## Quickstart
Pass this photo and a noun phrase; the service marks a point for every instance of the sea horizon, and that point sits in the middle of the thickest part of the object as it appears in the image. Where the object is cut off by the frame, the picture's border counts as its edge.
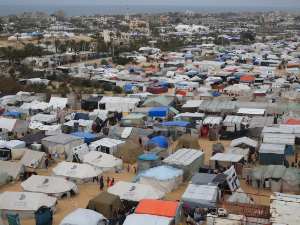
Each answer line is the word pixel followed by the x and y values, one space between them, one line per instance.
pixel 78 10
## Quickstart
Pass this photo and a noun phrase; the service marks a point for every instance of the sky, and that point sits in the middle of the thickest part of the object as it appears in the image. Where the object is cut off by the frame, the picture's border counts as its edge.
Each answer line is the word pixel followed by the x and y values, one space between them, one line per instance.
pixel 256 3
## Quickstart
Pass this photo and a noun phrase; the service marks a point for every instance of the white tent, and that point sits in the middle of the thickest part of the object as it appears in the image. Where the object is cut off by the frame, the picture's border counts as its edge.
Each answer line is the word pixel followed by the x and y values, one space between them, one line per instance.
pixel 165 178
pixel 16 144
pixel 119 104
pixel 78 173
pixel 25 108
pixel 203 196
pixel 55 186
pixel 240 197
pixel 14 169
pixel 25 204
pixel 104 162
pixel 232 178
pixel 146 219
pixel 135 192
pixel 84 216
pixel 61 144
pixel 78 152
pixel 107 145
pixel 33 159
pixel 58 103
pixel 7 123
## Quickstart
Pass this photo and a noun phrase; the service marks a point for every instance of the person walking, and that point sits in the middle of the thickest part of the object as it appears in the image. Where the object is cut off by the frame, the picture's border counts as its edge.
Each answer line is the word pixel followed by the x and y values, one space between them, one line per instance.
pixel 101 185
pixel 134 170
pixel 113 181
pixel 128 168
pixel 140 141
pixel 296 158
pixel 108 180
pixel 248 180
pixel 46 163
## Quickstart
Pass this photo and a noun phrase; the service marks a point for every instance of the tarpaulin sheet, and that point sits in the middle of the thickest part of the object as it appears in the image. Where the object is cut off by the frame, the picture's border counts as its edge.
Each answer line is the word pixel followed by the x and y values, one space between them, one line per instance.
pixel 147 156
pixel 10 114
pixel 87 136
pixel 175 123
pixel 165 84
pixel 159 111
pixel 204 132
pixel 127 86
pixel 159 141
pixel 82 116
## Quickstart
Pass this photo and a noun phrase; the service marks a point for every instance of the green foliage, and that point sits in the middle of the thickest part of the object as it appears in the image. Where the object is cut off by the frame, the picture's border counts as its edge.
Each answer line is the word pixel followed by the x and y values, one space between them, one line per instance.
pixel 120 60
pixel 104 62
pixel 77 82
pixel 86 83
pixel 53 76
pixel 12 73
pixel 117 90
pixel 96 84
pixel 63 89
pixel 107 87
pixel 25 72
pixel 128 92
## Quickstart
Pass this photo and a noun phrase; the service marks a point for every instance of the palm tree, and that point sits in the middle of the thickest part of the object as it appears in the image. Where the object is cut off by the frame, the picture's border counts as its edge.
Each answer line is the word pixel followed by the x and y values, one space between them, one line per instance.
pixel 111 34
pixel 47 43
pixel 57 43
pixel 118 35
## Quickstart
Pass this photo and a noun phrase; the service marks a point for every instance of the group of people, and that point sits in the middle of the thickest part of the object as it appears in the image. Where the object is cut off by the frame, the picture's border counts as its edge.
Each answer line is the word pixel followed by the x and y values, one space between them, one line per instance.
pixel 108 181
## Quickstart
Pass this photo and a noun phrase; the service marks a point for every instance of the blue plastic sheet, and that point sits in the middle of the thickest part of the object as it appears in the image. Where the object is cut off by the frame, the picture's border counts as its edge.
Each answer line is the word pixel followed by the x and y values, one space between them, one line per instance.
pixel 159 141
pixel 159 111
pixel 147 156
pixel 127 86
pixel 87 136
pixel 175 123
pixel 82 116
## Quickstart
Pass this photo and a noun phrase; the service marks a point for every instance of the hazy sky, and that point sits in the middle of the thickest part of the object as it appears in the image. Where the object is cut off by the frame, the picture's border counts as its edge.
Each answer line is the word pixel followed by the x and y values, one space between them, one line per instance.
pixel 256 3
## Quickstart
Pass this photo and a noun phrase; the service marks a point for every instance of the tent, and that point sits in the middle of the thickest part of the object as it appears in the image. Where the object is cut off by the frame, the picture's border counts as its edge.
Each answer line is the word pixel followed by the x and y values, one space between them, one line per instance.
pixel 58 103
pixel 145 219
pixel 78 173
pixel 34 159
pixel 147 161
pixel 61 144
pixel 129 152
pixel 87 136
pixel 135 192
pixel 4 178
pixel 84 216
pixel 119 104
pixel 239 197
pixel 271 154
pixel 258 123
pixel 232 178
pixel 106 145
pixel 203 196
pixel 25 203
pixel 292 122
pixel 188 160
pixel 188 141
pixel 78 152
pixel 104 162
pixel 7 123
pixel 30 139
pixel 14 169
pixel 161 208
pixel 52 186
pixel 159 141
pixel 165 178
pixel 102 204
pixel 221 160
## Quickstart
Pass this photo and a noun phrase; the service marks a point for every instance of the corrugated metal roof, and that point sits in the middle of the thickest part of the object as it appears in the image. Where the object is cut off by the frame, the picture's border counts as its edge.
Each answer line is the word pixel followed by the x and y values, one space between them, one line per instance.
pixel 261 122
pixel 184 156
pixel 244 140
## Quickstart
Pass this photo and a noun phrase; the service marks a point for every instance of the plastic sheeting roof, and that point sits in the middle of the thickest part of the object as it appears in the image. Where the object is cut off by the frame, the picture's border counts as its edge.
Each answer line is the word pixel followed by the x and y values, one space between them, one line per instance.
pixel 271 148
pixel 244 140
pixel 175 123
pixel 7 123
pixel 159 111
pixel 58 102
pixel 184 156
pixel 192 103
pixel 251 111
pixel 147 156
pixel 87 136
pixel 162 173
pixel 146 219
pixel 261 122
pixel 84 216
pixel 62 138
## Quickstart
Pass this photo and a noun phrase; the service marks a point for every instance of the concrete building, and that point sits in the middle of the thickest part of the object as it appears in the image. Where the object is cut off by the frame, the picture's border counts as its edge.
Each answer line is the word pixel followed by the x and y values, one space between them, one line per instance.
pixel 127 17
pixel 189 13
pixel 269 30
pixel 124 38
pixel 61 15
pixel 38 16
pixel 140 25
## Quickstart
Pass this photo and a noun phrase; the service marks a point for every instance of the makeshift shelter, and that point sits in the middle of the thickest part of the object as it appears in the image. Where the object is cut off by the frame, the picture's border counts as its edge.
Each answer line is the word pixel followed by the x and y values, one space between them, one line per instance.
pixel 161 208
pixel 234 123
pixel 188 141
pixel 135 192
pixel 239 151
pixel 239 197
pixel 84 216
pixel 162 152
pixel 34 159
pixel 30 139
pixel 188 160
pixel 191 106
pixel 203 196
pixel 218 180
pixel 145 219
pixel 4 178
pixel 78 173
pixel 106 145
pixel 25 204
pixel 61 144
pixel 250 112
pixel 244 142
pixel 135 118
pixel 91 103
pixel 78 153
pixel 14 169
pixel 232 179
pixel 270 154
pixel 129 152
pixel 158 102
pixel 220 160
pixel 118 104
pixel 102 204
pixel 52 186
pixel 147 161
pixel 165 178
pixel 290 115
pixel 58 103
pixel 189 117
pixel 159 141
pixel 103 162
pixel 80 125
pixel 258 123
pixel 87 136
pixel 167 112
pixel 7 123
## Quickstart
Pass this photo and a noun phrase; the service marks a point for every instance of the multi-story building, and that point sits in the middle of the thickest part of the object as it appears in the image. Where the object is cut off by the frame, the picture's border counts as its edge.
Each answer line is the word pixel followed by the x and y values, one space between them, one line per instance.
pixel 38 16
pixel 269 30
pixel 111 35
pixel 141 25
pixel 60 15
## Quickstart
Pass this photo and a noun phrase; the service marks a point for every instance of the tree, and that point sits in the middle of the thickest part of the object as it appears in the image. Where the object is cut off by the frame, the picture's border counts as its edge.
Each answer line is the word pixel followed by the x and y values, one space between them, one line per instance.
pixel 111 34
pixel 48 43
pixel 107 87
pixel 39 38
pixel 247 36
pixel 117 90
pixel 57 43
pixel 12 73
pixel 104 62
pixel 177 20
pixel 118 35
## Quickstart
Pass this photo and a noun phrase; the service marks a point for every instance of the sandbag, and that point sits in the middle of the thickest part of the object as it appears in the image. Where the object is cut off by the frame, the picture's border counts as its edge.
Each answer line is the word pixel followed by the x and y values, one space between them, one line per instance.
pixel 17 153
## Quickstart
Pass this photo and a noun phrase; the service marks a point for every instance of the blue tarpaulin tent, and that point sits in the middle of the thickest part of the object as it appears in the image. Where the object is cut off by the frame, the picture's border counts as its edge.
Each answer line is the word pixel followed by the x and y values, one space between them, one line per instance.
pixel 162 173
pixel 127 86
pixel 216 95
pixel 159 141
pixel 82 116
pixel 148 156
pixel 164 84
pixel 10 114
pixel 159 111
pixel 87 136
pixel 175 123
pixel 238 76
pixel 192 73
pixel 133 68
